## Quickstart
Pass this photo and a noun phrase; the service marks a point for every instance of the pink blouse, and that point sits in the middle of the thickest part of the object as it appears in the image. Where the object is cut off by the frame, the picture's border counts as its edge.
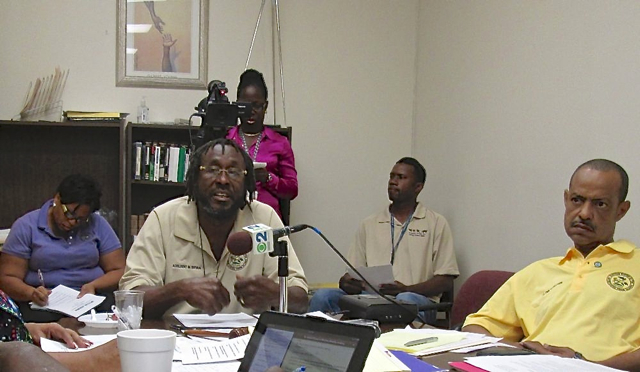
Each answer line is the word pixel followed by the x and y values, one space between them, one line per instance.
pixel 275 150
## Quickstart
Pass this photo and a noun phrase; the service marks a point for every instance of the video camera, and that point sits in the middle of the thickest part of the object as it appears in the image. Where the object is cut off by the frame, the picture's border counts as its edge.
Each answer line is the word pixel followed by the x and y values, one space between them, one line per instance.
pixel 218 114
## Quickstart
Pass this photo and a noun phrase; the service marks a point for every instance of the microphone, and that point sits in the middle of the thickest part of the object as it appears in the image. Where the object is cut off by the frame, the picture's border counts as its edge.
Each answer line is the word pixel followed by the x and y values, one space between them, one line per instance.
pixel 258 238
pixel 239 243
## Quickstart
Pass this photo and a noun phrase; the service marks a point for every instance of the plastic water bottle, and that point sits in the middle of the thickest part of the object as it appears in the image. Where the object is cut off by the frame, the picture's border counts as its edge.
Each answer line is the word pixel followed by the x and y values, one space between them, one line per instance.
pixel 300 369
pixel 143 111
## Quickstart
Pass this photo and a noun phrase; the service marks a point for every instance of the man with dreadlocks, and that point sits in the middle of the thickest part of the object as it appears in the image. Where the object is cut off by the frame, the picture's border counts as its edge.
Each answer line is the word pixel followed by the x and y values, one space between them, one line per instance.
pixel 179 258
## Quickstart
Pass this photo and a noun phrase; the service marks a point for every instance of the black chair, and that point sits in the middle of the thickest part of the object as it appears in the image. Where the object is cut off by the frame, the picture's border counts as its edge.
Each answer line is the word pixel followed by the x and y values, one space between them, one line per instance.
pixel 444 306
pixel 285 204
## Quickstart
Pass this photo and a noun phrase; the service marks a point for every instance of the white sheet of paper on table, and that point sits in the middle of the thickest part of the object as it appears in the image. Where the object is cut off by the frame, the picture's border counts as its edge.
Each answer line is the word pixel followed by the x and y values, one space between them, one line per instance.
pixel 216 321
pixel 538 363
pixel 51 346
pixel 214 351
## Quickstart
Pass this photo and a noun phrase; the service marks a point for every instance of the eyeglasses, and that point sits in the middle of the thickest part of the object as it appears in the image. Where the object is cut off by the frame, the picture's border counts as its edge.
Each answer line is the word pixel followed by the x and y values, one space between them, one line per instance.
pixel 71 215
pixel 255 106
pixel 215 171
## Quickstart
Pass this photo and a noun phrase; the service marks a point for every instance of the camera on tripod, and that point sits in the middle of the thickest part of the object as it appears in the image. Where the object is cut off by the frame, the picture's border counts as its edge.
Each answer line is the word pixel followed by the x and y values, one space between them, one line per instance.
pixel 218 114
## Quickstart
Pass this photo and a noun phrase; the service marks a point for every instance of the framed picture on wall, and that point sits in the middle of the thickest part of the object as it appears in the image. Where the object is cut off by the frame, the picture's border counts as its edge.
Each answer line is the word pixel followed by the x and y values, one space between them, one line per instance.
pixel 162 44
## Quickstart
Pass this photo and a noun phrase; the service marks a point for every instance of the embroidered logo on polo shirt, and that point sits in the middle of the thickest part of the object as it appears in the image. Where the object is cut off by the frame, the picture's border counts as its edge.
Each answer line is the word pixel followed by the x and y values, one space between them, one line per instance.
pixel 237 263
pixel 620 281
pixel 416 232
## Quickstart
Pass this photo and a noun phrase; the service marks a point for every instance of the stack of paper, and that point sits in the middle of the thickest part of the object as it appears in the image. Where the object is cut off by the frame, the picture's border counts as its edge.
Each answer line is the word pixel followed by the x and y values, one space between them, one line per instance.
pixel 444 340
pixel 94 115
pixel 223 321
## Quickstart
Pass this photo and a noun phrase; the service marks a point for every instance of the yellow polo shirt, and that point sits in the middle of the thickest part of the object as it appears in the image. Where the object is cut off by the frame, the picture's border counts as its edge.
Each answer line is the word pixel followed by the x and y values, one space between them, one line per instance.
pixel 591 305
pixel 169 248
pixel 425 250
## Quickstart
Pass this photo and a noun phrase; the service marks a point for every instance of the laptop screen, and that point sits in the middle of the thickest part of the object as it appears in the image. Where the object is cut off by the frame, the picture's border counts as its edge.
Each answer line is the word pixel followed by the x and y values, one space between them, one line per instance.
pixel 293 341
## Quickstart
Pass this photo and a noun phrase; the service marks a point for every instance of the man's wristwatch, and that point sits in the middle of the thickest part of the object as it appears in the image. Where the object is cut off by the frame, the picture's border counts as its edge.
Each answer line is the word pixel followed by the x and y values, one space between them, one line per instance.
pixel 577 355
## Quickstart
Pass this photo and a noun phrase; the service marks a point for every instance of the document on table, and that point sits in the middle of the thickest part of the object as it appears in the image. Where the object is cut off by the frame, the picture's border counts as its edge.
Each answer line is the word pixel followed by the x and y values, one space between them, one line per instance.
pixel 380 359
pixel 398 339
pixel 376 275
pixel 538 363
pixel 209 367
pixel 65 300
pixel 465 339
pixel 213 351
pixel 216 321
pixel 51 346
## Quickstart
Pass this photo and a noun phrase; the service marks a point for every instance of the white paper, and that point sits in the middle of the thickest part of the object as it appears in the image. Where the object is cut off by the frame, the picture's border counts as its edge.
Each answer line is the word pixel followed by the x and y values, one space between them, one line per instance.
pixel 469 349
pixel 216 321
pixel 51 346
pixel 535 363
pixel 380 359
pixel 213 351
pixel 376 275
pixel 209 367
pixel 65 300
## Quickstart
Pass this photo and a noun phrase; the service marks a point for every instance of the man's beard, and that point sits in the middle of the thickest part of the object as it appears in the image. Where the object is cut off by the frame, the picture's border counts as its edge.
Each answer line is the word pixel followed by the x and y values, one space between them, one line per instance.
pixel 222 213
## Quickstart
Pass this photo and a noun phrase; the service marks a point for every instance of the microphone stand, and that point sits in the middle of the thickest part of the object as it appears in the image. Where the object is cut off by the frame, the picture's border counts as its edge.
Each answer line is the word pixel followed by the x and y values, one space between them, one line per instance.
pixel 281 250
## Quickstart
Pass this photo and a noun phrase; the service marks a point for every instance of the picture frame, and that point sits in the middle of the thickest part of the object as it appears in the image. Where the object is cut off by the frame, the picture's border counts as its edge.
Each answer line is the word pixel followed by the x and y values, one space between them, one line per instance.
pixel 162 44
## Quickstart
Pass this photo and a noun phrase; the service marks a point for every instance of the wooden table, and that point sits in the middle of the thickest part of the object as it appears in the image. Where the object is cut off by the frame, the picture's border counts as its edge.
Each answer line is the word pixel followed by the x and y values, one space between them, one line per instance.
pixel 439 360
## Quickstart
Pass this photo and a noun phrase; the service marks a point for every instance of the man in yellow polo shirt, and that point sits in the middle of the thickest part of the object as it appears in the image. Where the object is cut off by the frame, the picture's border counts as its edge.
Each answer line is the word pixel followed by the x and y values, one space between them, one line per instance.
pixel 585 303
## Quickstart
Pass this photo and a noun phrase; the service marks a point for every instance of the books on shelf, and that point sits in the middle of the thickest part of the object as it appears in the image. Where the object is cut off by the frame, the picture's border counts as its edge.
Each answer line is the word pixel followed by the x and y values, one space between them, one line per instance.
pixel 94 115
pixel 137 220
pixel 159 161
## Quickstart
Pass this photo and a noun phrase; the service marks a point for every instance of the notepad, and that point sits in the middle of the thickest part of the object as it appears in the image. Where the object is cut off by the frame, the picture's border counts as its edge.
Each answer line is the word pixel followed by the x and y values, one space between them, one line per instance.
pixel 65 300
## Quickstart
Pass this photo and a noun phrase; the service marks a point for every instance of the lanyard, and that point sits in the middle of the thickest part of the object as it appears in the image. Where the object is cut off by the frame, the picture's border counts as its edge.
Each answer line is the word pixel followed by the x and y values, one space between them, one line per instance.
pixel 394 245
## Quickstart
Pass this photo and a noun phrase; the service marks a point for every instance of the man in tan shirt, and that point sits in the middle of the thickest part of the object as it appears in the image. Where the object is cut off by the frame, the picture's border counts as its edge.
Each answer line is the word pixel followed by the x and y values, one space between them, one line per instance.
pixel 416 241
pixel 180 258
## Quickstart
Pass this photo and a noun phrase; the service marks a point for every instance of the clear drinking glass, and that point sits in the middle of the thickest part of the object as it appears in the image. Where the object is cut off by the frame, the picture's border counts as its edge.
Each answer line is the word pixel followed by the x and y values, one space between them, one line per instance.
pixel 129 308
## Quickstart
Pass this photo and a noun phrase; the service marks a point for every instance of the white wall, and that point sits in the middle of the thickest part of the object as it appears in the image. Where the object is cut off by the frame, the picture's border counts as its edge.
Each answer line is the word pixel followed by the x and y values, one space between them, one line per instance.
pixel 349 74
pixel 81 35
pixel 512 97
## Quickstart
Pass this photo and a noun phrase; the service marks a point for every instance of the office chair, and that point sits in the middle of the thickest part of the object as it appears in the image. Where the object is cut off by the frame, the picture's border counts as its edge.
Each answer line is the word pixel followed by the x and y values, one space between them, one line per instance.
pixel 475 291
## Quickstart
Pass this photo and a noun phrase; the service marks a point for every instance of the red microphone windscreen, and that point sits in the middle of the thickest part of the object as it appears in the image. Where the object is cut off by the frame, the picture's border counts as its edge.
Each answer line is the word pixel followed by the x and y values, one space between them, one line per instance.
pixel 239 243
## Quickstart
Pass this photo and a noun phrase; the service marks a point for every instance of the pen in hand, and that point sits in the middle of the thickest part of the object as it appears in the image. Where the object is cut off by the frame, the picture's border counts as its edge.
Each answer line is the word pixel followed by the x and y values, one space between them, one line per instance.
pixel 41 278
pixel 421 341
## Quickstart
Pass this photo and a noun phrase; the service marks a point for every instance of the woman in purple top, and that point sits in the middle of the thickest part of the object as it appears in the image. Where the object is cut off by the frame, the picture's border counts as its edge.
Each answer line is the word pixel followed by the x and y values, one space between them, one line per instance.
pixel 63 242
pixel 279 179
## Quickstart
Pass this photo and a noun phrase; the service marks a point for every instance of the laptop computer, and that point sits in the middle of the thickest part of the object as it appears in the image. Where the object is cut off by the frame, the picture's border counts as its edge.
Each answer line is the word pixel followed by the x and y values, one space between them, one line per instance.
pixel 293 341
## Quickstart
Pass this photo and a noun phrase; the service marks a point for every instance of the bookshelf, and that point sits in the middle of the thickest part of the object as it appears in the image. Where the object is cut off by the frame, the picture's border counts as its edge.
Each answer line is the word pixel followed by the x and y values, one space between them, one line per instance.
pixel 36 156
pixel 144 195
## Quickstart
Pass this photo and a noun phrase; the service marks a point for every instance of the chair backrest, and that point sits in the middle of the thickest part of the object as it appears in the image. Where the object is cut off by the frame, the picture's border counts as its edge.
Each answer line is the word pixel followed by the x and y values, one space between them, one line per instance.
pixel 475 291
pixel 285 204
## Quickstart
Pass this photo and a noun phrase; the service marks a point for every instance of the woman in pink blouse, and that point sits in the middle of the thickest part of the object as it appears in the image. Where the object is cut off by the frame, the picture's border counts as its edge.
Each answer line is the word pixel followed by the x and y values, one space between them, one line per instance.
pixel 279 179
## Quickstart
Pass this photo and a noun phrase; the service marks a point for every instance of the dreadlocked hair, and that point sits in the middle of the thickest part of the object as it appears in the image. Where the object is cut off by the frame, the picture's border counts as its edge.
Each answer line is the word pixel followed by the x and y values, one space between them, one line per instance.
pixel 196 161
